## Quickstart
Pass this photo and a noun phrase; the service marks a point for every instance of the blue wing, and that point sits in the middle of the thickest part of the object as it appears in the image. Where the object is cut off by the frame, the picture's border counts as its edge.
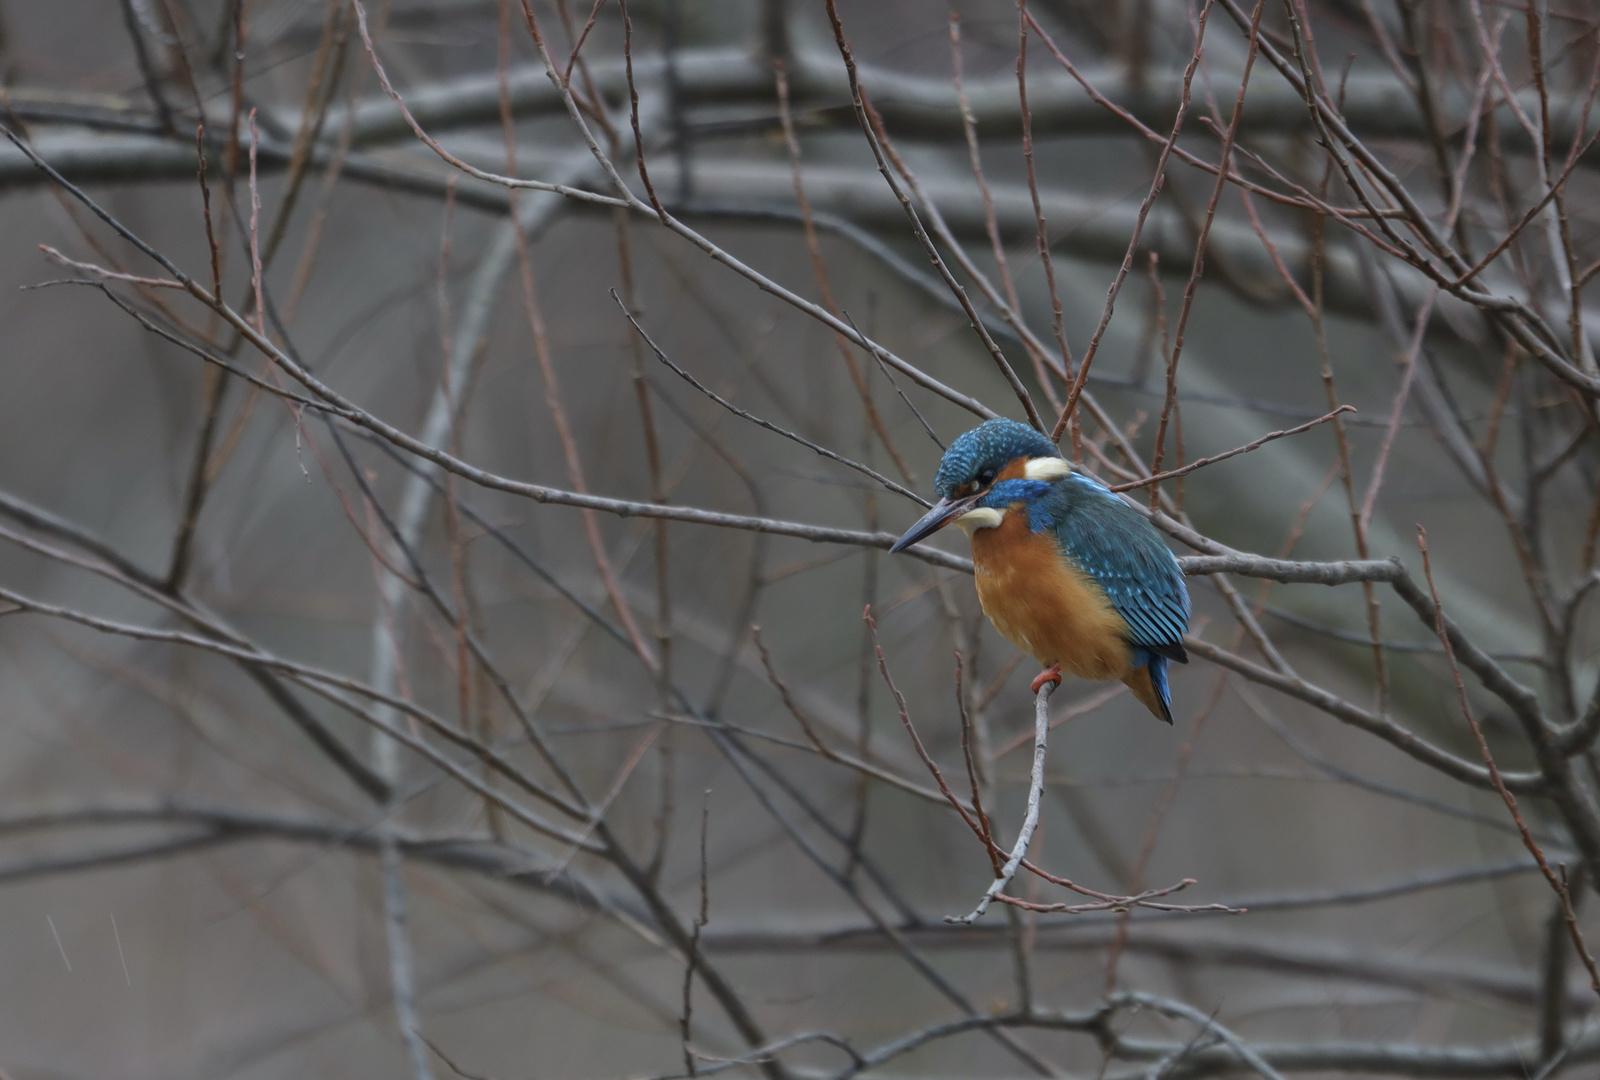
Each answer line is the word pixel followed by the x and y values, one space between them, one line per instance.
pixel 1112 543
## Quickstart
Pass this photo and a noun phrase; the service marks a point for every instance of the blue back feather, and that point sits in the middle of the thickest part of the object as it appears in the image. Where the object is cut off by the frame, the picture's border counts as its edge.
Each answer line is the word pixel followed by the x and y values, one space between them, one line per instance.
pixel 1114 544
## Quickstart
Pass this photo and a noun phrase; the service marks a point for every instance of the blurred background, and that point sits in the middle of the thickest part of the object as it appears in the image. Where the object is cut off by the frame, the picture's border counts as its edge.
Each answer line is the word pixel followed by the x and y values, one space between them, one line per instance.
pixel 421 776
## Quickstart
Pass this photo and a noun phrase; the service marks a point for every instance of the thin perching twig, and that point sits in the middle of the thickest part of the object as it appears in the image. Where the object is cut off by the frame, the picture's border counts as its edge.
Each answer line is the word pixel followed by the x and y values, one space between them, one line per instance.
pixel 1030 821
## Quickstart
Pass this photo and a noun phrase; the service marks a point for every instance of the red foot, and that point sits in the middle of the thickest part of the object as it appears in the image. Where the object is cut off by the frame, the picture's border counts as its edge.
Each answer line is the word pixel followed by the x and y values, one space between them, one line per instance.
pixel 1049 674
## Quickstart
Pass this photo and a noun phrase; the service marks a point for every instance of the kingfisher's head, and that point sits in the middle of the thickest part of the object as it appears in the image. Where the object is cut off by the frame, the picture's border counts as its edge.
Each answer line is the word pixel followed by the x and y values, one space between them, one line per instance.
pixel 996 452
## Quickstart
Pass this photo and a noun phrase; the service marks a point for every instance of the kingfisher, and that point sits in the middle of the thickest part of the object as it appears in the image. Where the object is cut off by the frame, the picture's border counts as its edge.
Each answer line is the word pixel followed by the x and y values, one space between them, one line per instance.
pixel 1066 569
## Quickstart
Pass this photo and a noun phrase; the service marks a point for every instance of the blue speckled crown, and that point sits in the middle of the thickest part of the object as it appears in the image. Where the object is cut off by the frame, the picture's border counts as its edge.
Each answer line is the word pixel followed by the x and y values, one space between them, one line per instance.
pixel 992 443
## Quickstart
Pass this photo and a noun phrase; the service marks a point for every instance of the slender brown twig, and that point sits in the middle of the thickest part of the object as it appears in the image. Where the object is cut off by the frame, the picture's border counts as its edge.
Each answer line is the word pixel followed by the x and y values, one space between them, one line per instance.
pixel 1557 884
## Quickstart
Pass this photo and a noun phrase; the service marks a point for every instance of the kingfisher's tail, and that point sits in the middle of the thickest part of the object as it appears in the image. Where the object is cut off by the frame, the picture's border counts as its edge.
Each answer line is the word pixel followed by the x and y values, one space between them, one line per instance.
pixel 1148 681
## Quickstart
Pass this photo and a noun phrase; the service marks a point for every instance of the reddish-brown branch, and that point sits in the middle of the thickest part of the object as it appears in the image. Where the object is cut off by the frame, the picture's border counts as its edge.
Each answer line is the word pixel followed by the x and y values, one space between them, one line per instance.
pixel 871 127
pixel 1557 884
pixel 1144 211
pixel 1071 712
pixel 1198 268
pixel 972 770
pixel 1201 463
pixel 577 46
pixel 1041 234
pixel 633 110
pixel 820 272
pixel 1012 307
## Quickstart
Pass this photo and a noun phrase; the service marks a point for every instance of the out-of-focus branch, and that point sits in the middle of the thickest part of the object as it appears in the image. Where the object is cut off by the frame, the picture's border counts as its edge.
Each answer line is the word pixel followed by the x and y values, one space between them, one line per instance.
pixel 50 524
pixel 1378 106
pixel 215 823
pixel 1253 951
pixel 1091 228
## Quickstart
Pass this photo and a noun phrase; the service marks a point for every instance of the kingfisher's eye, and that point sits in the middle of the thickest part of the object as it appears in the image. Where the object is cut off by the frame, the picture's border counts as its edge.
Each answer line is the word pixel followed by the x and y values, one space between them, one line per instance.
pixel 986 476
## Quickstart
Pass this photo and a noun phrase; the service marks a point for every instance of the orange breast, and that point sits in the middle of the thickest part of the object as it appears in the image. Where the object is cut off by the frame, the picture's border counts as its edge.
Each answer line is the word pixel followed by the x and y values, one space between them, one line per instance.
pixel 1045 606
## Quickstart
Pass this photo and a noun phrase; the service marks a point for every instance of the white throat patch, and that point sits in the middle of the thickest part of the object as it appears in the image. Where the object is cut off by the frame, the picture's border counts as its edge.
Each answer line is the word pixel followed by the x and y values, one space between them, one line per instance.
pixel 983 517
pixel 1046 468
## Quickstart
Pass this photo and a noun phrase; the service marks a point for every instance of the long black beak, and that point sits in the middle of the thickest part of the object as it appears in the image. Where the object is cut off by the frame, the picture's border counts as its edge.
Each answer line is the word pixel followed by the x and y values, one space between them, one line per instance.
pixel 943 513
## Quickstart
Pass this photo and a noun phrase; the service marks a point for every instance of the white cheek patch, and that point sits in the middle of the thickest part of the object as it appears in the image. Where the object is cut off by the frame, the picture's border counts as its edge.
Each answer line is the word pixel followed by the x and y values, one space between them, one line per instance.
pixel 1046 468
pixel 983 517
